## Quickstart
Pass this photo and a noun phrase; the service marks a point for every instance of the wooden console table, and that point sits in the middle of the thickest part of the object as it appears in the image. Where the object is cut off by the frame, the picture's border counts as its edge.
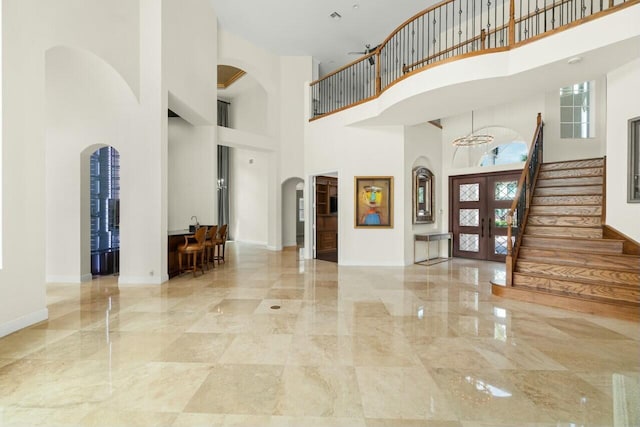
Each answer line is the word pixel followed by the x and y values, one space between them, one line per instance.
pixel 432 237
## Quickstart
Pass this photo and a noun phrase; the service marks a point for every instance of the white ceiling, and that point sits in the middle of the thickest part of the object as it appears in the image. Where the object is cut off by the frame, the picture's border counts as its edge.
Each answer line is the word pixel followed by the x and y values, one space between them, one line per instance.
pixel 303 27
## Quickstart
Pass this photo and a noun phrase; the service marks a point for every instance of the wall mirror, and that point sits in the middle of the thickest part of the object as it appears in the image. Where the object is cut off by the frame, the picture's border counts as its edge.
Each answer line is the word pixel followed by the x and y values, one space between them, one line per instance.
pixel 423 206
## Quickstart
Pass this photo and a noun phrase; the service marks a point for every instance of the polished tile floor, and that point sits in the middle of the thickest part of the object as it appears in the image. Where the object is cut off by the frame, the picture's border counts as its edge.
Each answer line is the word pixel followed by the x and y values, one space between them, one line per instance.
pixel 348 346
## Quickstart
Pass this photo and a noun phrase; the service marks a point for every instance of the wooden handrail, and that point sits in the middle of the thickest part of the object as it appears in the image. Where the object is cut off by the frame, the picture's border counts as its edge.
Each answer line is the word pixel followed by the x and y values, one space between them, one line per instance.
pixel 523 185
pixel 344 67
pixel 482 36
pixel 413 18
pixel 525 169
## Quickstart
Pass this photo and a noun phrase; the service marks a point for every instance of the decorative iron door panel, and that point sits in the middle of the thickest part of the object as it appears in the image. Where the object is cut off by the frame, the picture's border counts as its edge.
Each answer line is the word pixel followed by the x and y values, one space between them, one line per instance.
pixel 468 217
pixel 478 207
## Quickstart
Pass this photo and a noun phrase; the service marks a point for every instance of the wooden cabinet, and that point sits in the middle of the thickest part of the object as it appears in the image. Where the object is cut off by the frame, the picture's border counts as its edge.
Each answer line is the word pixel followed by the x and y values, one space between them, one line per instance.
pixel 176 239
pixel 327 218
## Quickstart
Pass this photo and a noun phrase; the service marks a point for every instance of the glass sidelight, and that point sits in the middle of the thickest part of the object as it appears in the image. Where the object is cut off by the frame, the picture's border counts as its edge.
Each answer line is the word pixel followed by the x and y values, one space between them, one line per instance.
pixel 479 207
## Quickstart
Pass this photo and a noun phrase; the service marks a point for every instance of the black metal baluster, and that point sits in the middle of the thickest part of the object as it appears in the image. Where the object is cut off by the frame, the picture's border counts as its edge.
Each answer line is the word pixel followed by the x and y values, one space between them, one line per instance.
pixel 527 30
pixel 427 41
pixel 421 38
pixel 439 31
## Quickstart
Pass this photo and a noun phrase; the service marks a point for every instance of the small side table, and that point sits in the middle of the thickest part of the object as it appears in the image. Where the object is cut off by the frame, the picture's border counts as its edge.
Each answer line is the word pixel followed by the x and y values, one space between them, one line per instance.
pixel 432 237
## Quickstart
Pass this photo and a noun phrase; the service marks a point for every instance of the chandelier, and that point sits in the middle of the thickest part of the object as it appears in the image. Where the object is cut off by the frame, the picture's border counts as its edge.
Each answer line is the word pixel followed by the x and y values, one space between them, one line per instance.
pixel 473 138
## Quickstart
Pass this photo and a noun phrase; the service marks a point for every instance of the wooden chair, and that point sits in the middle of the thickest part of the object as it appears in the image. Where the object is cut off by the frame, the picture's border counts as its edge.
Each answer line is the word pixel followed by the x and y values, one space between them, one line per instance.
pixel 220 243
pixel 210 245
pixel 193 246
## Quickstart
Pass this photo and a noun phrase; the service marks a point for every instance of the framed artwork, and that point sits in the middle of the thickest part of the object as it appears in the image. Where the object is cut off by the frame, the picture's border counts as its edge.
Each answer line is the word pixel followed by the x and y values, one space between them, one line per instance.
pixel 373 202
pixel 423 207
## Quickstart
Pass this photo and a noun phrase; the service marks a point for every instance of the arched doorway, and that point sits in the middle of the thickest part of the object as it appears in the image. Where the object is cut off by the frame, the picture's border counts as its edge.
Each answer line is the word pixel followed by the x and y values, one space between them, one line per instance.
pixel 104 211
pixel 293 213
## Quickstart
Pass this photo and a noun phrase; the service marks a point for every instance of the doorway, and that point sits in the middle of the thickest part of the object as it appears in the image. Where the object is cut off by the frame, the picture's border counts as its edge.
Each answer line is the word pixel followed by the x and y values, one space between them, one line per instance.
pixel 326 192
pixel 104 187
pixel 300 215
pixel 478 208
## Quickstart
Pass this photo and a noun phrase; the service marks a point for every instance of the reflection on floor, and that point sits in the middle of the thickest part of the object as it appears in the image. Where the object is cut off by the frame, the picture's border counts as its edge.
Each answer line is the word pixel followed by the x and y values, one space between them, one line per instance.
pixel 349 346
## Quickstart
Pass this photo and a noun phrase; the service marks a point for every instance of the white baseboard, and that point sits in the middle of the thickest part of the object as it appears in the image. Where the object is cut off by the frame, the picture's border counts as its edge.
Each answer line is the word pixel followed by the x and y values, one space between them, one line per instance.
pixel 86 278
pixel 66 279
pixel 23 321
pixel 368 264
pixel 252 242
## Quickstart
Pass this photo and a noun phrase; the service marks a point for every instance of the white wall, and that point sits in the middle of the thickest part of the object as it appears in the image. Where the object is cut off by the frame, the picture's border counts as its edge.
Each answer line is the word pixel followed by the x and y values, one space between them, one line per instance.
pixel 351 151
pixel 189 49
pixel 296 73
pixel 22 290
pixel 621 106
pixel 422 147
pixel 248 109
pixel 249 170
pixel 192 174
pixel 558 149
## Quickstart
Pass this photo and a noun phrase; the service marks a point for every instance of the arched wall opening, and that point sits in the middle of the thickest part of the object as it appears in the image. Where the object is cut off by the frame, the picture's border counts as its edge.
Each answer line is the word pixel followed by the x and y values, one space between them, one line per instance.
pixel 88 106
pixel 507 147
pixel 247 101
pixel 293 212
pixel 104 211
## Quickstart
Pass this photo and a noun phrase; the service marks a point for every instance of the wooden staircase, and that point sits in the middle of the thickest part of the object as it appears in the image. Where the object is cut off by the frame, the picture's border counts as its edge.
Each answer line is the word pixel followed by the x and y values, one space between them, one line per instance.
pixel 567 257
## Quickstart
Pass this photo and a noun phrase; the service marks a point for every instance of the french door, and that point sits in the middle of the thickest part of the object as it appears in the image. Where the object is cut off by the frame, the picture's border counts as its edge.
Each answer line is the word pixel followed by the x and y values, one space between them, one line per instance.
pixel 478 209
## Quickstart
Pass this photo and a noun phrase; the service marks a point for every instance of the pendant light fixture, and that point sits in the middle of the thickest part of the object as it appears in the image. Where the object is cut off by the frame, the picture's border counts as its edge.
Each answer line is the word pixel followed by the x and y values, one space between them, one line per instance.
pixel 473 138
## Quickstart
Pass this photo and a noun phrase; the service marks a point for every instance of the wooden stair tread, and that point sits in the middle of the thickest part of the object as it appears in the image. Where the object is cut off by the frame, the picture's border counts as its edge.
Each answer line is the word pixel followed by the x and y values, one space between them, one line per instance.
pixel 571 262
pixel 575 200
pixel 591 291
pixel 607 246
pixel 569 182
pixel 565 220
pixel 578 190
pixel 580 274
pixel 568 302
pixel 565 231
pixel 570 172
pixel 572 164
pixel 624 262
pixel 594 298
pixel 595 210
pixel 583 239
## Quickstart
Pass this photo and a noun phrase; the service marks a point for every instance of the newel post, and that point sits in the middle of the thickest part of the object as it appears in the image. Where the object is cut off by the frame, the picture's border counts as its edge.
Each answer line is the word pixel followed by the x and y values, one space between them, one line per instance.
pixel 483 37
pixel 509 258
pixel 512 22
pixel 378 68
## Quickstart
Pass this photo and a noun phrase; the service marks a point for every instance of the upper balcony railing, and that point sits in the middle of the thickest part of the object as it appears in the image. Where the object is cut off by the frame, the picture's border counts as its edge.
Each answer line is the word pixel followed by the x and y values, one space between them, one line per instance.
pixel 450 30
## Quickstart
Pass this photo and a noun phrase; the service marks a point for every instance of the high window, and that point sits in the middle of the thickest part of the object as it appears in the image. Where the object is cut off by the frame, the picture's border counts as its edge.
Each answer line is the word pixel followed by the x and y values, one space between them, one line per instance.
pixel 576 110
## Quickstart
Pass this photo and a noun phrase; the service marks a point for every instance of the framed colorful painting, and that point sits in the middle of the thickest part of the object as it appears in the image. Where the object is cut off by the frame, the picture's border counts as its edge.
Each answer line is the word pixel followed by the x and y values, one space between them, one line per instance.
pixel 373 202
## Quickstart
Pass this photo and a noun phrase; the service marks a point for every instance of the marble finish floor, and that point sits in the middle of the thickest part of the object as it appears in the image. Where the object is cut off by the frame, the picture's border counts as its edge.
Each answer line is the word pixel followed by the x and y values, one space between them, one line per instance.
pixel 349 346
